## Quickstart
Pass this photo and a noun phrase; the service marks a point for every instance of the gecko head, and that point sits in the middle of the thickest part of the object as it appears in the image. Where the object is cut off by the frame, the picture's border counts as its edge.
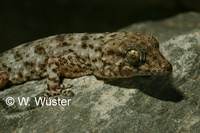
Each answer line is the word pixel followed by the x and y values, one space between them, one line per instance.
pixel 146 57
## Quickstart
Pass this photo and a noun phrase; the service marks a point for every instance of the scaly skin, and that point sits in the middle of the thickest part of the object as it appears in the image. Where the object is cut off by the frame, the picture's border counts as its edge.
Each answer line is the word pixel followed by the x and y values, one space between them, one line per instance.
pixel 79 54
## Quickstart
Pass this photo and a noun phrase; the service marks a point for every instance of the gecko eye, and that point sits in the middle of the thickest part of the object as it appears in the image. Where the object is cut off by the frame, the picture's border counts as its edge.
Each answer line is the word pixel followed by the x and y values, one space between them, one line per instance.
pixel 135 57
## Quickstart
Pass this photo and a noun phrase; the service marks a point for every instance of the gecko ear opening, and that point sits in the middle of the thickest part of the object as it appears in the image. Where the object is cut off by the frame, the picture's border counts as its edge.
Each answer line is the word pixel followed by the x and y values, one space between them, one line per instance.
pixel 135 56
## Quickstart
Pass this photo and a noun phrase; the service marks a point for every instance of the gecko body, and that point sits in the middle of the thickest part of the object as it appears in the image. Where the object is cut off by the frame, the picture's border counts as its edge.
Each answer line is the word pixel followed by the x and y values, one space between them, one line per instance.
pixel 106 55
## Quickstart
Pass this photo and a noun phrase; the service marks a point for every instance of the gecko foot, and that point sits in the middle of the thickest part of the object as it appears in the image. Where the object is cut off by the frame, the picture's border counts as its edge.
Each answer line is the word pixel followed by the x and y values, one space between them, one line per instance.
pixel 59 91
pixel 66 93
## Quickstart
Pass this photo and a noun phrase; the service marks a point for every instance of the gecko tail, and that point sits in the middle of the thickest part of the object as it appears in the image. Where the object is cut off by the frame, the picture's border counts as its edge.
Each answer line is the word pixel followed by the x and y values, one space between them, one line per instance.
pixel 4 77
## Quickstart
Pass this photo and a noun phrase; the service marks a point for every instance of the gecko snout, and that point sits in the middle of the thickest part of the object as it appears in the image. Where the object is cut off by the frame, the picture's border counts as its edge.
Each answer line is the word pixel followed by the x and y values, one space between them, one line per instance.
pixel 162 70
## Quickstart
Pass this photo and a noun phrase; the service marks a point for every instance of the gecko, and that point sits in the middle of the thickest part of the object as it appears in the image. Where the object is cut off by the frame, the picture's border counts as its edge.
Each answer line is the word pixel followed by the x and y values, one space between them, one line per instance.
pixel 107 55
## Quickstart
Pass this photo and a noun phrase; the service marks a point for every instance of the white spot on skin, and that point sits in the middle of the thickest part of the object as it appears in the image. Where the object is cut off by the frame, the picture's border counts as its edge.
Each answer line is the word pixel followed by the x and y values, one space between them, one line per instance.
pixel 69 54
pixel 126 67
pixel 57 51
pixel 25 72
pixel 98 35
pixel 106 46
pixel 119 62
pixel 99 64
pixel 98 54
pixel 103 58
pixel 16 76
pixel 83 53
pixel 78 36
pixel 96 44
pixel 53 44
pixel 37 69
pixel 120 49
pixel 107 70
pixel 11 58
pixel 40 60
pixel 78 43
pixel 34 77
pixel 44 74
pixel 11 76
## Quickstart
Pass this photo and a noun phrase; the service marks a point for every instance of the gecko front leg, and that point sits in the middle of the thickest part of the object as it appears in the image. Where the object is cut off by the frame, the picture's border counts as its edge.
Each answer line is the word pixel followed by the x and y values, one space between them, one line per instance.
pixel 53 82
pixel 67 65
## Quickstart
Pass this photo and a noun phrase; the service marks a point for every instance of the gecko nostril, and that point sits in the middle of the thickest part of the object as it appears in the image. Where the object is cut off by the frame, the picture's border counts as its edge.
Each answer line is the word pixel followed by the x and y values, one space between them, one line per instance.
pixel 168 68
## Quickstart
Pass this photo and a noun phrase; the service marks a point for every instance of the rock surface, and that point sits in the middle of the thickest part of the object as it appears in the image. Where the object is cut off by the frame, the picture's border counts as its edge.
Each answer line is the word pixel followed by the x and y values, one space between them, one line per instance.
pixel 168 103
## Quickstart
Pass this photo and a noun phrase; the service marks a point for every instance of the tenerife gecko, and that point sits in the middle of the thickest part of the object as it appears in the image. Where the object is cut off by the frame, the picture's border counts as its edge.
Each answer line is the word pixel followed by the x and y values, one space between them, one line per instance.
pixel 107 55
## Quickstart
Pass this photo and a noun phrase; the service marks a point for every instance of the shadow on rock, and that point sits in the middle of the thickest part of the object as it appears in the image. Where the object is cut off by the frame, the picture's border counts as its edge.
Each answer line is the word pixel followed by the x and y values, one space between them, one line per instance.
pixel 156 86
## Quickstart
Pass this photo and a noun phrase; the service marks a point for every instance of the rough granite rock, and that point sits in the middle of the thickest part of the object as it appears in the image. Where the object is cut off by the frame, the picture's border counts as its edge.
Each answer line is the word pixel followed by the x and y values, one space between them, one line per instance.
pixel 168 103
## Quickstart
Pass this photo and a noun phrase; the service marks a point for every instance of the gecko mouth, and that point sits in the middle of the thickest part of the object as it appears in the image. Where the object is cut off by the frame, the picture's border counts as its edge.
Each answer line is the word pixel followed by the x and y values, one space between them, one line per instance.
pixel 167 69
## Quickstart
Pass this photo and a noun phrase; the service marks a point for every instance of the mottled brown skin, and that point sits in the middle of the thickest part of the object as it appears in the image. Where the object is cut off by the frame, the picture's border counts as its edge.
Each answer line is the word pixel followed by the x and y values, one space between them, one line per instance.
pixel 79 54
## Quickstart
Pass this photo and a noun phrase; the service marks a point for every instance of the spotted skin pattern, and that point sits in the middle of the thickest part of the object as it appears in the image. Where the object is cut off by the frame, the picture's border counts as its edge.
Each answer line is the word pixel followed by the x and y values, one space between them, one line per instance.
pixel 79 54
